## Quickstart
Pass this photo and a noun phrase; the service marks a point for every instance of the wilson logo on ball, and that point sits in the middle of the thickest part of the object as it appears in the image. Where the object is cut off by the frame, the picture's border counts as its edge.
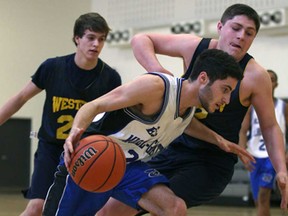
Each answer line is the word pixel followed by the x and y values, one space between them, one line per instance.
pixel 87 155
pixel 98 164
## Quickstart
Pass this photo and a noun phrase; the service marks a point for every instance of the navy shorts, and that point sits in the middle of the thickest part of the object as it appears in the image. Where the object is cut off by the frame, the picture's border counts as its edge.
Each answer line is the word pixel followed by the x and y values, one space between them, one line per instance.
pixel 196 175
pixel 46 159
pixel 138 179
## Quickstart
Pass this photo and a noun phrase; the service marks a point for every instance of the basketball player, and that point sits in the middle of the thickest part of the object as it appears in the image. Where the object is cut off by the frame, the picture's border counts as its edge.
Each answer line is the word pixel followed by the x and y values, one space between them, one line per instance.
pixel 263 174
pixel 187 155
pixel 154 108
pixel 69 82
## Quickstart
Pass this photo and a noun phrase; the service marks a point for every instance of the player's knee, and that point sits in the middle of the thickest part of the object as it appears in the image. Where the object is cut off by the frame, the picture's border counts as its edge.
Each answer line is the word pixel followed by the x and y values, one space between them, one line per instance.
pixel 34 208
pixel 178 208
pixel 264 196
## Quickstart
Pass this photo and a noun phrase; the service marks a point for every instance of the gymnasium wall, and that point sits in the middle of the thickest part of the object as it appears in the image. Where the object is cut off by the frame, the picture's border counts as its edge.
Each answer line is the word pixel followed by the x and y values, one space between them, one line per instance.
pixel 32 31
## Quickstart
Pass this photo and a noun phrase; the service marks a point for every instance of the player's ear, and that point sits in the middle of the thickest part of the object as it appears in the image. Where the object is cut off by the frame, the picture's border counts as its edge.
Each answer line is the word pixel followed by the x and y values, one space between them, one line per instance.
pixel 219 26
pixel 276 84
pixel 203 78
pixel 76 40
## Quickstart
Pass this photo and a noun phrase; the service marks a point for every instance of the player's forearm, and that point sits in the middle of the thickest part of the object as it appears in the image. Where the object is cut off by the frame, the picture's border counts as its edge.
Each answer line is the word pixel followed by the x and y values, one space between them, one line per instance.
pixel 243 139
pixel 84 116
pixel 200 131
pixel 147 58
pixel 10 108
pixel 276 148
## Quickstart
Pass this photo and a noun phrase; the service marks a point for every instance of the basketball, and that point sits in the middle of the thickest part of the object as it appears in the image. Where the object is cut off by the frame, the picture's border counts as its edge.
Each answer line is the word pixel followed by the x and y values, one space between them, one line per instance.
pixel 97 164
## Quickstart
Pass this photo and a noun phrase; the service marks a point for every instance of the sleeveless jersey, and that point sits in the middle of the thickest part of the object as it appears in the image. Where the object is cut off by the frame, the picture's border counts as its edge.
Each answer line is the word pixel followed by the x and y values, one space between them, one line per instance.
pixel 141 136
pixel 226 121
pixel 256 145
pixel 67 88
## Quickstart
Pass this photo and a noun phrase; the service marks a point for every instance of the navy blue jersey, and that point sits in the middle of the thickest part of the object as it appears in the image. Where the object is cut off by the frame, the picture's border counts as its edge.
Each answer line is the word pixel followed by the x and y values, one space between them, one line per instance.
pixel 67 88
pixel 226 121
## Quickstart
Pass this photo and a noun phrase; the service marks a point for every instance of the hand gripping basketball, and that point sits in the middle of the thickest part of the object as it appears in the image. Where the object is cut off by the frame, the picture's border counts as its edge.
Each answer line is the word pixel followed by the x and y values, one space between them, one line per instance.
pixel 97 164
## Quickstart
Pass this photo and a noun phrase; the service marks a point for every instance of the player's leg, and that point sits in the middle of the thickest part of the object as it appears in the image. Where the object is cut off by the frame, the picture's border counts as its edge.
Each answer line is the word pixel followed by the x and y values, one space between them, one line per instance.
pixel 158 201
pixel 116 208
pixel 55 191
pixel 145 188
pixel 46 159
pixel 195 176
pixel 161 201
pixel 263 204
pixel 255 176
pixel 34 207
pixel 266 183
pixel 76 201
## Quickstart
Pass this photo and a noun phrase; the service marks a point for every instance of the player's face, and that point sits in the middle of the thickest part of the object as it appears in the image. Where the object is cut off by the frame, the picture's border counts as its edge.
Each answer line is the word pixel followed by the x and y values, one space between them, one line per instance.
pixel 236 36
pixel 90 44
pixel 215 96
pixel 273 81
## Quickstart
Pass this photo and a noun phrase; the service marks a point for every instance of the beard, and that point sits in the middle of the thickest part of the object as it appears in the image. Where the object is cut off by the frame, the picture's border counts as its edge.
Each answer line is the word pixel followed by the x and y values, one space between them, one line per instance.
pixel 205 98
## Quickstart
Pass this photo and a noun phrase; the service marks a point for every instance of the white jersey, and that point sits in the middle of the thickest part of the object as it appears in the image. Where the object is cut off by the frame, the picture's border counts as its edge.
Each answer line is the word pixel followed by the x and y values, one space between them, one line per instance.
pixel 256 145
pixel 142 136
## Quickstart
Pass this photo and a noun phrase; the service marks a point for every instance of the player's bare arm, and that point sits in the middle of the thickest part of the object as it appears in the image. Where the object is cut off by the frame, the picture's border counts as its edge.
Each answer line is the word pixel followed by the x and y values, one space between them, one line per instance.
pixel 243 138
pixel 182 46
pixel 17 101
pixel 200 131
pixel 261 99
pixel 244 129
pixel 137 93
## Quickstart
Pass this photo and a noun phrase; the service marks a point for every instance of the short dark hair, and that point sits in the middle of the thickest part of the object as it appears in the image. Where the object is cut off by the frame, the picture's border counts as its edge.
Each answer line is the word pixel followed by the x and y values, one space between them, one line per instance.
pixel 274 73
pixel 91 21
pixel 218 65
pixel 241 9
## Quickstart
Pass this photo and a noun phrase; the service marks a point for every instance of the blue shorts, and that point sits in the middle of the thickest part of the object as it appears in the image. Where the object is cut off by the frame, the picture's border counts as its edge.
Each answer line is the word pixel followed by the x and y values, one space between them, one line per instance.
pixel 138 179
pixel 262 176
pixel 196 175
pixel 46 159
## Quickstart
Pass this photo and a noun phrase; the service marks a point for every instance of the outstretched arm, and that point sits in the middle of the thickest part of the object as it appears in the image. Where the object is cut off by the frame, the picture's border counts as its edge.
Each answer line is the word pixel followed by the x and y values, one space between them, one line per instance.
pixel 200 131
pixel 146 46
pixel 136 93
pixel 17 101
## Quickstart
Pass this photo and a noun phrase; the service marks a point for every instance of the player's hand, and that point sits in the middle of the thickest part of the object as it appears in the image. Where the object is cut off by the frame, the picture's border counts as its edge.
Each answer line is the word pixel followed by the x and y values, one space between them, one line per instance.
pixel 70 143
pixel 236 149
pixel 281 178
pixel 247 163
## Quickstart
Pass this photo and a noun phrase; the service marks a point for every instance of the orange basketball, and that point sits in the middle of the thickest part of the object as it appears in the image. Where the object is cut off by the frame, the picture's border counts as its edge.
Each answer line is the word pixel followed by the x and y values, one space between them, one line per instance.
pixel 98 164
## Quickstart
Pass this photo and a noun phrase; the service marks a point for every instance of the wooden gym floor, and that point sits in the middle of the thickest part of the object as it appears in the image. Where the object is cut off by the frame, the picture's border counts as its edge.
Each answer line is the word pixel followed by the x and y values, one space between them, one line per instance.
pixel 12 204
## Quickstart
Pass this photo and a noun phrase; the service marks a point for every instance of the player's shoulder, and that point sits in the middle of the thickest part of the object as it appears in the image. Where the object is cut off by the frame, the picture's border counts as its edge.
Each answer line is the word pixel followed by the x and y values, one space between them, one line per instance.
pixel 109 69
pixel 256 81
pixel 255 71
pixel 161 77
pixel 57 60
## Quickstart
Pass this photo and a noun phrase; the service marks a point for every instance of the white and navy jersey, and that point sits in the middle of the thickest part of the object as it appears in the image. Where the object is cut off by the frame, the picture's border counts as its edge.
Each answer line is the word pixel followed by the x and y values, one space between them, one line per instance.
pixel 142 136
pixel 256 145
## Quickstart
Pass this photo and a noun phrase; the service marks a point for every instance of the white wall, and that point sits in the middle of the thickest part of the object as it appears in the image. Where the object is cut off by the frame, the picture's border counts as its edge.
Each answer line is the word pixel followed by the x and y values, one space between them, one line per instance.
pixel 32 31
pixel 271 52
